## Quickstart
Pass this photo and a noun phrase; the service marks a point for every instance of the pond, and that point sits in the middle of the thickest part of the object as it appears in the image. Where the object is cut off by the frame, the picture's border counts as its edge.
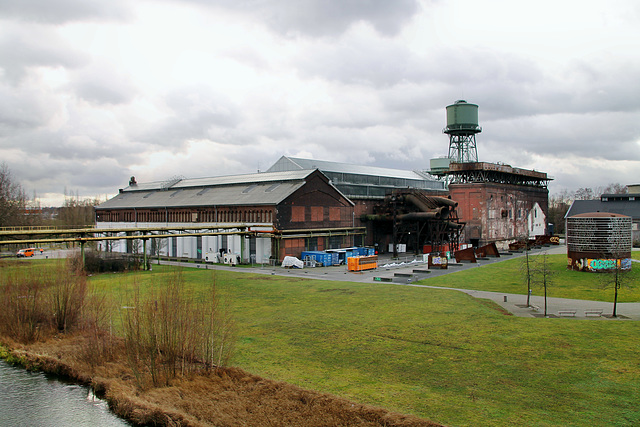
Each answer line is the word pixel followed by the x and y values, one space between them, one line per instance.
pixel 36 399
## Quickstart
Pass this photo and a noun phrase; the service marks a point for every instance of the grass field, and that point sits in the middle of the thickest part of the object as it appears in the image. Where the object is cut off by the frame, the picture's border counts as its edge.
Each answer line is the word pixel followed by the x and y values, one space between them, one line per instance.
pixel 506 276
pixel 434 353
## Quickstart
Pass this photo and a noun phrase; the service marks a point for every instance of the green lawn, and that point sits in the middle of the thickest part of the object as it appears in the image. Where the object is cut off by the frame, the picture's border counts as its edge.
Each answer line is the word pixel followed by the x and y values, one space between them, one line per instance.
pixel 435 353
pixel 506 276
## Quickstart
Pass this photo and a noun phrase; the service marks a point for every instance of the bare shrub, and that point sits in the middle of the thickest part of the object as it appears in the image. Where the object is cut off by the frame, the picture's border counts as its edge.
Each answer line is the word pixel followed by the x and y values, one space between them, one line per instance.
pixel 99 345
pixel 171 332
pixel 24 316
pixel 68 291
pixel 218 331
pixel 38 299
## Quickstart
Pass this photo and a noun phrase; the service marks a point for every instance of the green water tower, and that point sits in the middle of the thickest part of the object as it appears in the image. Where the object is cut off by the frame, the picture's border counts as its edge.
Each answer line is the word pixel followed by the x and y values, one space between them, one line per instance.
pixel 462 127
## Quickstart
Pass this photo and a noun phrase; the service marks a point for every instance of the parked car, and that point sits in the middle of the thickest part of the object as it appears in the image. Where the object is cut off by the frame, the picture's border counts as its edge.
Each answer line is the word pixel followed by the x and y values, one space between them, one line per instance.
pixel 29 252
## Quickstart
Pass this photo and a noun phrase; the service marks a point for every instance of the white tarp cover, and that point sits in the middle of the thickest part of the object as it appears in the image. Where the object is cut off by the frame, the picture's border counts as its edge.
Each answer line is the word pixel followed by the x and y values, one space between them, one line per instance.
pixel 291 261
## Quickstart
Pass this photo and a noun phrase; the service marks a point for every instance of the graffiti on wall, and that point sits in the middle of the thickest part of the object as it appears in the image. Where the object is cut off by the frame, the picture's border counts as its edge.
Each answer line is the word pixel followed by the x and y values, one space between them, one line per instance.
pixel 594 264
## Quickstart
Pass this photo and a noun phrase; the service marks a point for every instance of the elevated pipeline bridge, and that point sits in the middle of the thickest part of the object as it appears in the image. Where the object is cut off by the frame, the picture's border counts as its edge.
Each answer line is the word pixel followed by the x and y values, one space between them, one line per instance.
pixel 82 236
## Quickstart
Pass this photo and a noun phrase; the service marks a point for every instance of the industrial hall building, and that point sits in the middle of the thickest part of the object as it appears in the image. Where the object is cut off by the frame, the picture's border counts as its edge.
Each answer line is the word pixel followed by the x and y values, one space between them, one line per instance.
pixel 291 208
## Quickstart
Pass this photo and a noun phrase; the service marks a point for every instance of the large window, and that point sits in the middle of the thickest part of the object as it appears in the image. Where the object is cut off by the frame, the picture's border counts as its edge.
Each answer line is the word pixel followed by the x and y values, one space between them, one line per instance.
pixel 317 213
pixel 297 213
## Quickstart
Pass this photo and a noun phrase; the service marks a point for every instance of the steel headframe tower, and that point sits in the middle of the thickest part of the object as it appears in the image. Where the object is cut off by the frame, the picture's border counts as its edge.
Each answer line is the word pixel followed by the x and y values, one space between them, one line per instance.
pixel 462 126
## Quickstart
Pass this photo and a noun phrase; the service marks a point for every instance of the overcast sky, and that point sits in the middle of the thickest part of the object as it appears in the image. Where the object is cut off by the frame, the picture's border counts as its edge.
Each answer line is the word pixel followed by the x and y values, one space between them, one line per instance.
pixel 93 91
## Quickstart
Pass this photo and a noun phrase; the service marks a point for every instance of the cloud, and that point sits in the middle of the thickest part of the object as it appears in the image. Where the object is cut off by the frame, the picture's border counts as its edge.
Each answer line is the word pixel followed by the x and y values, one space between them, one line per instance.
pixel 25 47
pixel 193 113
pixel 62 11
pixel 24 109
pixel 320 18
pixel 92 92
pixel 101 84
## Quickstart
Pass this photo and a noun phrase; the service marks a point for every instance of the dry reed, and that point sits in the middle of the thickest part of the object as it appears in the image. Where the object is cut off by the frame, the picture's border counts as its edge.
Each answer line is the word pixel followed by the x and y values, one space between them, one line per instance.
pixel 169 332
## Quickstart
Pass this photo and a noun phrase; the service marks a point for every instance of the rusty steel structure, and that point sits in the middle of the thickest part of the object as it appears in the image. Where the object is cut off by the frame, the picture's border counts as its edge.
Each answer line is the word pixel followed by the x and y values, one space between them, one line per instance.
pixel 465 173
pixel 417 219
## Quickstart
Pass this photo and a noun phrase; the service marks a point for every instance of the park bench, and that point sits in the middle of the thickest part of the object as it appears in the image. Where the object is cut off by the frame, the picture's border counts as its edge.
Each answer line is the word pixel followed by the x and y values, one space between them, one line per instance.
pixel 567 313
pixel 593 312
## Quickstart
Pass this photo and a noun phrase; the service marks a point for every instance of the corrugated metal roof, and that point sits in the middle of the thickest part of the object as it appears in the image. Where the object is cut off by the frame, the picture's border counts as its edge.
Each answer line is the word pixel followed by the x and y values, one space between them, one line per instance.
pixel 289 163
pixel 264 177
pixel 222 180
pixel 629 208
pixel 248 193
pixel 234 190
pixel 145 186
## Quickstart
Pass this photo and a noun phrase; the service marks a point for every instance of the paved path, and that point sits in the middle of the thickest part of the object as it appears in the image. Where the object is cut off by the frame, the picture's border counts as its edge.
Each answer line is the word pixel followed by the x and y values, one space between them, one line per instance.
pixel 517 305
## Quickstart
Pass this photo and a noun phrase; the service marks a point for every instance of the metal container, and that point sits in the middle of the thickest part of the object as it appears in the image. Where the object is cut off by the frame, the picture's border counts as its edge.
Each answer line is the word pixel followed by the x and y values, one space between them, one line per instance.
pixel 462 119
pixel 325 258
pixel 462 116
pixel 599 241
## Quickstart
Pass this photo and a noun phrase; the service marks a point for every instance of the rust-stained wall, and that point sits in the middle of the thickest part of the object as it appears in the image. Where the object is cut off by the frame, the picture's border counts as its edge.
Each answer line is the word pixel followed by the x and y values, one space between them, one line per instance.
pixel 496 212
pixel 366 207
pixel 316 205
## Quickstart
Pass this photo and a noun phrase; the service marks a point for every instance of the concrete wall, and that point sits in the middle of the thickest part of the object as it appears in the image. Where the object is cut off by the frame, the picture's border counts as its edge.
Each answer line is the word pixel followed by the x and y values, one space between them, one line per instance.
pixel 188 246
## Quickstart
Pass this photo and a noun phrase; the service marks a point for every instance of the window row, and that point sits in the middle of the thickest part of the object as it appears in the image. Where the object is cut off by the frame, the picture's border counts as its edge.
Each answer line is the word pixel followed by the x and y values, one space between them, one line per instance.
pixel 209 215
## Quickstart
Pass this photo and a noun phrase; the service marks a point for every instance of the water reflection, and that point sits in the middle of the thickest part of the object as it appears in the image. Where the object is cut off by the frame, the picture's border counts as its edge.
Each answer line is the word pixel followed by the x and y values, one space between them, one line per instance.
pixel 34 399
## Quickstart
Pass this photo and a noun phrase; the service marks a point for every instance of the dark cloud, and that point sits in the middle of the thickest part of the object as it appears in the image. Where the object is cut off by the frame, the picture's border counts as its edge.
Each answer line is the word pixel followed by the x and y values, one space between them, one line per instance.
pixel 611 136
pixel 86 178
pixel 34 46
pixel 320 18
pixel 62 11
pixel 24 109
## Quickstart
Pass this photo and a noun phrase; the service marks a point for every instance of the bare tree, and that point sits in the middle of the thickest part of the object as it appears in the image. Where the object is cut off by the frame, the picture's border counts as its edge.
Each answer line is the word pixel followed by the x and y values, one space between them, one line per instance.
pixel 542 275
pixel 12 199
pixel 76 212
pixel 584 194
pixel 594 193
pixel 615 188
pixel 157 245
pixel 616 276
pixel 526 268
pixel 558 206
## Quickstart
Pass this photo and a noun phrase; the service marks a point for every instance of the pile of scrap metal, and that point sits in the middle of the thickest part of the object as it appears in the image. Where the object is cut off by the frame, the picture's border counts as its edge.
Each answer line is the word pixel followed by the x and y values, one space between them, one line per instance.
pixel 472 254
pixel 532 243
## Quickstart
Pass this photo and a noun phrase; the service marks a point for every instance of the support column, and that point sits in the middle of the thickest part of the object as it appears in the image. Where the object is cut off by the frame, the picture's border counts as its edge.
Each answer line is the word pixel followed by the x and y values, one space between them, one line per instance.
pixel 82 253
pixel 144 253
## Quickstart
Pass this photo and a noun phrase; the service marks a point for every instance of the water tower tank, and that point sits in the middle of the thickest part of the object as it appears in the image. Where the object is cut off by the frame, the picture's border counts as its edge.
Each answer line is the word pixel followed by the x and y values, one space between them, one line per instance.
pixel 462 118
